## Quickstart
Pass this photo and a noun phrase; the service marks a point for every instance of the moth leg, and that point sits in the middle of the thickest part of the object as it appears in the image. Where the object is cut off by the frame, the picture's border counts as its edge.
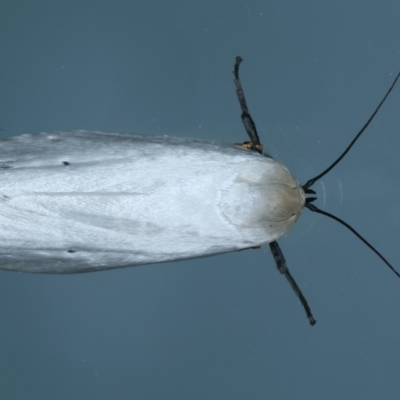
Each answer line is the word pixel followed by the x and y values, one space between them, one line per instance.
pixel 283 269
pixel 248 122
pixel 250 146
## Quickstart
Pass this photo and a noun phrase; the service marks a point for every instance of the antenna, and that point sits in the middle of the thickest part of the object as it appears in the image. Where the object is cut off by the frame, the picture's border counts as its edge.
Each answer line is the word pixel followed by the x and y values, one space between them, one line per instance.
pixel 313 180
pixel 314 208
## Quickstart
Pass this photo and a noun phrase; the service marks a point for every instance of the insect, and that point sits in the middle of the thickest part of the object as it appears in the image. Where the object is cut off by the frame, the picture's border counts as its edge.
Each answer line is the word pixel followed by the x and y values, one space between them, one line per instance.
pixel 87 201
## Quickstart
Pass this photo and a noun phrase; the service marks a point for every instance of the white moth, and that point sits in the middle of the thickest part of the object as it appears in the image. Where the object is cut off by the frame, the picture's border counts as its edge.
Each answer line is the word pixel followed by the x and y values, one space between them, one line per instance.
pixel 88 201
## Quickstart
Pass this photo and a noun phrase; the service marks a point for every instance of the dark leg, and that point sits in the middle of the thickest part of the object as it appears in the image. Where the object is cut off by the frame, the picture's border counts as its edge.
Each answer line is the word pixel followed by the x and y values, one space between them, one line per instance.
pixel 283 269
pixel 248 122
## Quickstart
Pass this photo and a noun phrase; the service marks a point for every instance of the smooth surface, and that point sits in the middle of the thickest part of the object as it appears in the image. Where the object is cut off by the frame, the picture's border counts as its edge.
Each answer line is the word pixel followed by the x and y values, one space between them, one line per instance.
pixel 225 327
pixel 88 201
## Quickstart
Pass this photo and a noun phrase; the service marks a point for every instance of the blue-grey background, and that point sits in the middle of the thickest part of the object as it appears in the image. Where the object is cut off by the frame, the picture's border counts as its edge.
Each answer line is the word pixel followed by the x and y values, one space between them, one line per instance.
pixel 226 327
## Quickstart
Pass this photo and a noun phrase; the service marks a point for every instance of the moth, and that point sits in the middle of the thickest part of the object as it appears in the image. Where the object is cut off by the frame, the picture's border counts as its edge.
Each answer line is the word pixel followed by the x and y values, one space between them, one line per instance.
pixel 88 201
